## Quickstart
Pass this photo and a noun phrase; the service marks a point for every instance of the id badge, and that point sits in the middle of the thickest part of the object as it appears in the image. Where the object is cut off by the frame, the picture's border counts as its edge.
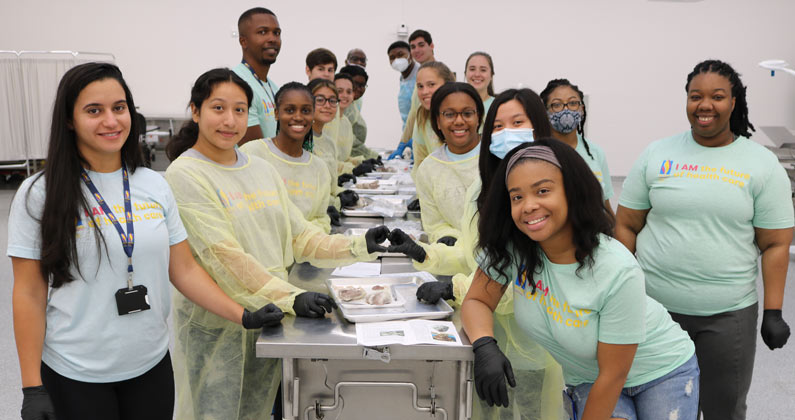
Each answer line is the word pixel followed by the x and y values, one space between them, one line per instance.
pixel 130 301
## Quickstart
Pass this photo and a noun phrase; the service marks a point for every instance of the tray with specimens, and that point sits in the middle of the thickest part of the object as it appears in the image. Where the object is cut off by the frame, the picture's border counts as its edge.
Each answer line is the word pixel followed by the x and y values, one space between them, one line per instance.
pixel 365 185
pixel 363 207
pixel 403 290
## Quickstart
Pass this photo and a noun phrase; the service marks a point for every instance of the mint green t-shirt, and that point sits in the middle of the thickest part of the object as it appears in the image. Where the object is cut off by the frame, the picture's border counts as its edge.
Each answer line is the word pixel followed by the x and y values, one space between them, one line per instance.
pixel 697 248
pixel 598 164
pixel 569 313
pixel 263 106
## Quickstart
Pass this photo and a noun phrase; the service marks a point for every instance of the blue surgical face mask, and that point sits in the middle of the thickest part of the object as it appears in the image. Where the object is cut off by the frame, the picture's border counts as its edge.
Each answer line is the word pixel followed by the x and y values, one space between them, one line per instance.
pixel 565 121
pixel 506 140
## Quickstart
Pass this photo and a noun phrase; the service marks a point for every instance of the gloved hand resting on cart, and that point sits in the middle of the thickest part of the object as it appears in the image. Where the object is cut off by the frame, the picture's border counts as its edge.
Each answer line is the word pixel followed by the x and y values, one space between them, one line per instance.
pixel 267 316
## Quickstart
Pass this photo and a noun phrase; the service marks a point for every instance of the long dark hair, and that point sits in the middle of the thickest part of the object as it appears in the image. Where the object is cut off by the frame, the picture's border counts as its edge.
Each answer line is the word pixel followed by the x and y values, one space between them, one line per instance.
pixel 446 90
pixel 556 83
pixel 738 121
pixel 535 111
pixel 499 236
pixel 202 89
pixel 64 199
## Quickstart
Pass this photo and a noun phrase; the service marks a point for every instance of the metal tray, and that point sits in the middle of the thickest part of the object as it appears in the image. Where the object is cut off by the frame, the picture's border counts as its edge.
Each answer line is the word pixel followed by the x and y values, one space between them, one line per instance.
pixel 406 286
pixel 364 212
pixel 381 175
pixel 385 187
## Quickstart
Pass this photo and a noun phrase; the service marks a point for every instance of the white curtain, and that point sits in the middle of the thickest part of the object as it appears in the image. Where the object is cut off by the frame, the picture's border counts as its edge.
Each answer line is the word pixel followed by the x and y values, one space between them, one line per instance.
pixel 29 84
pixel 41 73
pixel 13 144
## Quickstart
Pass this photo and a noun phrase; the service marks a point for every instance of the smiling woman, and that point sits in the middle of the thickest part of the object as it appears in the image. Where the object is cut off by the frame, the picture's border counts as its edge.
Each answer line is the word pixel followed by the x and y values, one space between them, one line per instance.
pixel 740 205
pixel 544 237
pixel 68 267
pixel 229 201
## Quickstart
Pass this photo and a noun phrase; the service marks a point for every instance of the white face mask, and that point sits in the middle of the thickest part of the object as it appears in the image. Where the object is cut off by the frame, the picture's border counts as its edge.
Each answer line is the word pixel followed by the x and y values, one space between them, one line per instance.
pixel 400 64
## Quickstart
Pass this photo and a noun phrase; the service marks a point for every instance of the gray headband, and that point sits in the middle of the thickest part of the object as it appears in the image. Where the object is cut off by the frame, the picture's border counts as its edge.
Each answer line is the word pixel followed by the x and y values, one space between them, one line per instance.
pixel 533 152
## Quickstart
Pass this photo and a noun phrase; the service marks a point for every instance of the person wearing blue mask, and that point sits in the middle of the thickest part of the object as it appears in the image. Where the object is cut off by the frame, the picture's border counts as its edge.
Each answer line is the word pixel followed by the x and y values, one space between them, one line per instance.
pixel 567 113
pixel 515 116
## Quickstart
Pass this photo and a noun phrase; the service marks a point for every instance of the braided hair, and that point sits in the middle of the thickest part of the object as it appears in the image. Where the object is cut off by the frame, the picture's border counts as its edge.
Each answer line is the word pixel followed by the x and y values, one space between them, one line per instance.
pixel 738 122
pixel 556 83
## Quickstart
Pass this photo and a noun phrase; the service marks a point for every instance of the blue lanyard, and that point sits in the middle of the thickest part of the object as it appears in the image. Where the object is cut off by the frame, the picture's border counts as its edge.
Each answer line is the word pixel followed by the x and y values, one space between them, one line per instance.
pixel 127 241
pixel 270 96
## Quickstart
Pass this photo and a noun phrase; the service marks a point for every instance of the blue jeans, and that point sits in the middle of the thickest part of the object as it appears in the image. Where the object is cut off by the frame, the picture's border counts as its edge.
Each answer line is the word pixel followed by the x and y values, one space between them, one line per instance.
pixel 673 396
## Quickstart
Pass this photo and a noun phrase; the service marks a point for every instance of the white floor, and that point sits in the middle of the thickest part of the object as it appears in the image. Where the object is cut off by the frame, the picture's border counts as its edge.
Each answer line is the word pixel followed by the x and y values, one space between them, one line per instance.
pixel 771 395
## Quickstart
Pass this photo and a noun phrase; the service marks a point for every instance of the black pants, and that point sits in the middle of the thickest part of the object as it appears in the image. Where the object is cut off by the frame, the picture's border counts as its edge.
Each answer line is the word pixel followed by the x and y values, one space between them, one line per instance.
pixel 725 347
pixel 149 396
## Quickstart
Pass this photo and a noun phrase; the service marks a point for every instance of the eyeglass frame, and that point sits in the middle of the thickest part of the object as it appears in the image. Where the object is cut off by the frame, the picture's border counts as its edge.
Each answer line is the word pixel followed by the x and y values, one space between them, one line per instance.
pixel 566 105
pixel 321 100
pixel 457 113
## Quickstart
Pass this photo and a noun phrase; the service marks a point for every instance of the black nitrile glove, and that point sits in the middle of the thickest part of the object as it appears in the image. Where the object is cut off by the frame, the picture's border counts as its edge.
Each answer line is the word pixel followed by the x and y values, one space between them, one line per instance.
pixel 374 237
pixel 36 404
pixel 375 162
pixel 401 242
pixel 447 240
pixel 267 316
pixel 348 198
pixel 342 179
pixel 313 305
pixel 491 370
pixel 363 168
pixel 414 205
pixel 334 215
pixel 432 291
pixel 775 330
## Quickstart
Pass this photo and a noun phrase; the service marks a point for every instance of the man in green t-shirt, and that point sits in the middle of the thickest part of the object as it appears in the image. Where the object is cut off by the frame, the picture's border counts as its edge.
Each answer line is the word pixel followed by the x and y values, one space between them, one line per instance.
pixel 260 38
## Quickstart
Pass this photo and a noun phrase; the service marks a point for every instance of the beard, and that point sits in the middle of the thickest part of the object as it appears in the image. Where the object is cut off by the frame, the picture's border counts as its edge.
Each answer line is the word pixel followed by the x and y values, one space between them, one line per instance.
pixel 267 61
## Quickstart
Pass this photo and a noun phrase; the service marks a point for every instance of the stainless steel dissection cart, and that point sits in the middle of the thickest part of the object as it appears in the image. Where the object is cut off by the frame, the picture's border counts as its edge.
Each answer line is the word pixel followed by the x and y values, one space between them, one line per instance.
pixel 326 375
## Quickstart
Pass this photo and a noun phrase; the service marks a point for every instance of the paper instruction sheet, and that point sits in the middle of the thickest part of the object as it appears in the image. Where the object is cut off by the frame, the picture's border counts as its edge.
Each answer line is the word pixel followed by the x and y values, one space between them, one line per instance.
pixel 415 331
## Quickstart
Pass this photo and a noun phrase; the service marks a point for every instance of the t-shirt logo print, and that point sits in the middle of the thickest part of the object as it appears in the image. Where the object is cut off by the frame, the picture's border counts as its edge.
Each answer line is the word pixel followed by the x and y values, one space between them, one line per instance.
pixel 665 168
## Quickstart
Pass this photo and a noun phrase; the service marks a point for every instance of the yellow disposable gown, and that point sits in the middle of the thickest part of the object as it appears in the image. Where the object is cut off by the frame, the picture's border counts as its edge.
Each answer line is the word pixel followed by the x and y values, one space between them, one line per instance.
pixel 539 378
pixel 244 230
pixel 333 131
pixel 425 142
pixel 360 133
pixel 326 151
pixel 441 187
pixel 308 183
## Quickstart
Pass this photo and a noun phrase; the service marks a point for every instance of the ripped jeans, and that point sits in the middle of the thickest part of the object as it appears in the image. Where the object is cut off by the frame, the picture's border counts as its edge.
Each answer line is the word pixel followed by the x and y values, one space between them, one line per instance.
pixel 671 397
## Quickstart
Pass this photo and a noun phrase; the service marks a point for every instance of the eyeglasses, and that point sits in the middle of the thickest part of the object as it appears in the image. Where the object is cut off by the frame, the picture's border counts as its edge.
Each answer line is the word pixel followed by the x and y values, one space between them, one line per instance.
pixel 357 60
pixel 467 115
pixel 571 105
pixel 321 100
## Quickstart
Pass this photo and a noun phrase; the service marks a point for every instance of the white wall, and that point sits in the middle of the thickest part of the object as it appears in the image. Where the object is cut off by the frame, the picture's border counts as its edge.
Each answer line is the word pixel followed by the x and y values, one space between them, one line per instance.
pixel 630 56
